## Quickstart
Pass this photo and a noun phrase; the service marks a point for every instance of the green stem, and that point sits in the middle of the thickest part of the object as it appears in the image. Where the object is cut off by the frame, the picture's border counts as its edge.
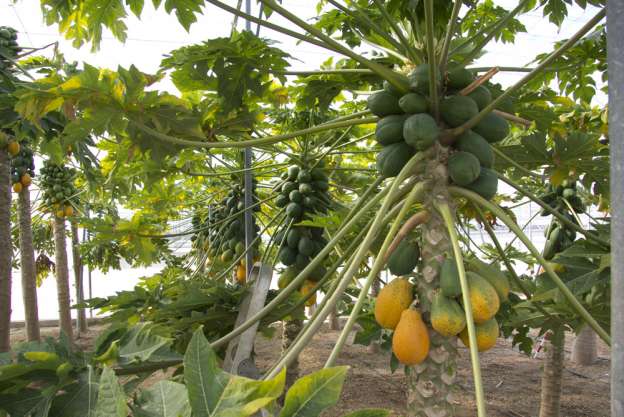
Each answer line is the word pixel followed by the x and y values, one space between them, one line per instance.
pixel 574 303
pixel 362 200
pixel 433 82
pixel 251 142
pixel 516 165
pixel 524 80
pixel 501 69
pixel 407 47
pixel 345 71
pixel 379 69
pixel 445 211
pixel 500 25
pixel 450 30
pixel 221 174
pixel 569 206
pixel 379 263
pixel 589 235
pixel 270 25
pixel 367 22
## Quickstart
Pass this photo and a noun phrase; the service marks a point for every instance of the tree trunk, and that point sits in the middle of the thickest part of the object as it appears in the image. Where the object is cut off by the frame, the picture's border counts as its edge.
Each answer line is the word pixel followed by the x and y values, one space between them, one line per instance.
pixel 431 385
pixel 6 250
pixel 28 267
pixel 290 332
pixel 334 322
pixel 585 350
pixel 81 317
pixel 551 379
pixel 62 276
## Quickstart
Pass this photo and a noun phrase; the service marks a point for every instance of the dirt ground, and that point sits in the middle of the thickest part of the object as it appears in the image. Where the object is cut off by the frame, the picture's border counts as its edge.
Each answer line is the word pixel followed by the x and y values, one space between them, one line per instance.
pixel 512 380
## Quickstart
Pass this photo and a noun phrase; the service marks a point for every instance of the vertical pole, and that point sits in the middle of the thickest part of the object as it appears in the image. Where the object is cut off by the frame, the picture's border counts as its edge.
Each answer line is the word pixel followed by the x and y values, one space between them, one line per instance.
pixel 249 221
pixel 615 55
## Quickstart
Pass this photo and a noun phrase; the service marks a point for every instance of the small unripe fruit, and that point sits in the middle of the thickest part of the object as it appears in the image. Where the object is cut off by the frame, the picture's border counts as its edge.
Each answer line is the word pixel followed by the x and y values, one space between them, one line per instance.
pixel 17 187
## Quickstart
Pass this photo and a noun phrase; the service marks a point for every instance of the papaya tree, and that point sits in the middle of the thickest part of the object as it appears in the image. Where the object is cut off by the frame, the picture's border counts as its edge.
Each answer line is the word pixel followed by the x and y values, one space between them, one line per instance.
pixel 438 122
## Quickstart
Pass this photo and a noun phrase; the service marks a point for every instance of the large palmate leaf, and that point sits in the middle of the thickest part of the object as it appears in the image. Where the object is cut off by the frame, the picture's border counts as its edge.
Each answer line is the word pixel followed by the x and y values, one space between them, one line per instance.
pixel 78 399
pixel 313 393
pixel 215 393
pixel 111 400
pixel 163 399
pixel 141 344
pixel 28 402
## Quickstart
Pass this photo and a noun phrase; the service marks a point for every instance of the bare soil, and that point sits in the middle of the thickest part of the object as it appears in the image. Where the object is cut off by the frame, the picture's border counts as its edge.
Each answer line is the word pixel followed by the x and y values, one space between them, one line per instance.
pixel 512 380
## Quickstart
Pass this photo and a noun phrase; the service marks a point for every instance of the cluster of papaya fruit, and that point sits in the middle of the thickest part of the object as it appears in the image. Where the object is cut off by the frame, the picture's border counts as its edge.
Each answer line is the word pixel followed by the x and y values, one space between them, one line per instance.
pixel 407 125
pixel 22 166
pixel 59 191
pixel 565 200
pixel 227 238
pixel 8 46
pixel 488 286
pixel 304 192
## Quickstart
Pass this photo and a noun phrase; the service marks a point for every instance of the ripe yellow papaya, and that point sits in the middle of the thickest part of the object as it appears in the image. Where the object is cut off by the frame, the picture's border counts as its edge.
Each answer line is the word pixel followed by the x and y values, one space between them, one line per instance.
pixel 447 317
pixel 241 274
pixel 17 187
pixel 410 342
pixel 305 290
pixel 483 298
pixel 493 275
pixel 487 333
pixel 391 301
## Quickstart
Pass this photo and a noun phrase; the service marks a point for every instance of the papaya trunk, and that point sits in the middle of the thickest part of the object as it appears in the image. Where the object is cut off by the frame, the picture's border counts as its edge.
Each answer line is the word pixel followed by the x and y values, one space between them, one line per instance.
pixel 585 350
pixel 431 384
pixel 62 276
pixel 551 379
pixel 334 322
pixel 291 330
pixel 81 317
pixel 6 251
pixel 28 268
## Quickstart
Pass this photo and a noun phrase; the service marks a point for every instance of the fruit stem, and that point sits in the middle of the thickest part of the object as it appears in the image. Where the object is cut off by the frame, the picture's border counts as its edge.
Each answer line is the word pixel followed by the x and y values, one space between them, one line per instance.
pixel 416 220
pixel 479 81
pixel 445 211
pixel 500 213
pixel 380 262
pixel 513 118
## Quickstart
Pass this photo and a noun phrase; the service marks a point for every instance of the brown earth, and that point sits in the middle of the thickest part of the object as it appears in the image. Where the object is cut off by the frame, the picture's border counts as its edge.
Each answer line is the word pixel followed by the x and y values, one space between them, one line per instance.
pixel 511 379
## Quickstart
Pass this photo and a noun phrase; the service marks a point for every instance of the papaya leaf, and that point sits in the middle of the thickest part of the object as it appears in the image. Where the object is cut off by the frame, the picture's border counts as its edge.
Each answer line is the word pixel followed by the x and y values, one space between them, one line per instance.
pixel 28 402
pixel 215 393
pixel 313 393
pixel 78 399
pixel 140 344
pixel 163 399
pixel 111 400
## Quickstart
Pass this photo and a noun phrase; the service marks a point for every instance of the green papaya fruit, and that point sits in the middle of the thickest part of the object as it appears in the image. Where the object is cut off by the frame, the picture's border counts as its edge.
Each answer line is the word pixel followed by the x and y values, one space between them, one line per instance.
pixel 383 104
pixel 482 96
pixel 493 128
pixel 390 129
pixel 413 103
pixel 293 171
pixel 420 131
pixel 419 78
pixel 288 256
pixel 392 158
pixel 388 87
pixel 457 110
pixel 404 258
pixel 306 246
pixel 485 185
pixel 294 210
pixel 463 168
pixel 293 237
pixel 473 143
pixel 459 77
